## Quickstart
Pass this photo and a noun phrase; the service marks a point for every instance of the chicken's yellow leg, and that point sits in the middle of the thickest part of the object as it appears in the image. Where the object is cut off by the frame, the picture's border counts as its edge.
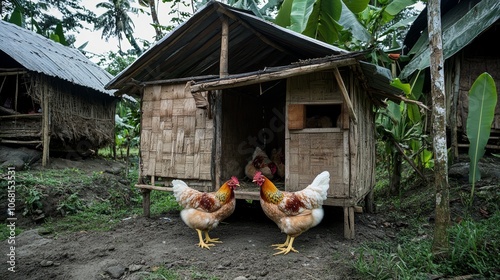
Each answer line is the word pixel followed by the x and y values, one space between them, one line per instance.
pixel 287 250
pixel 203 244
pixel 208 239
pixel 278 246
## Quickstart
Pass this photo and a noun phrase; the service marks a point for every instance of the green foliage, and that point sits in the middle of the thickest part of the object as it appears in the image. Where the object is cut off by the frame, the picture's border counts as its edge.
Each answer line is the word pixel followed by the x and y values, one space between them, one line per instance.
pixel 474 244
pixel 72 204
pixel 474 247
pixel 32 201
pixel 5 231
pixel 39 16
pixel 482 103
pixel 352 25
pixel 163 202
pixel 411 259
pixel 99 216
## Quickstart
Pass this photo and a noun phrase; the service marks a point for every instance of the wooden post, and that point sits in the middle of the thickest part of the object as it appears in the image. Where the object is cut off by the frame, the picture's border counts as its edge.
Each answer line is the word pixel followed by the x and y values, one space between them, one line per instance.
pixel 370 202
pixel 45 124
pixel 224 47
pixel 453 111
pixel 17 92
pixel 349 222
pixel 223 72
pixel 146 202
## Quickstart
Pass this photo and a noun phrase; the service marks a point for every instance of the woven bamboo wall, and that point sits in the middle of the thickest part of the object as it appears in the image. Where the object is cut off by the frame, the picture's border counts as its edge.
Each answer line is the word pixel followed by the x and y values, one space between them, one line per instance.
pixel 361 144
pixel 176 137
pixel 311 151
pixel 76 114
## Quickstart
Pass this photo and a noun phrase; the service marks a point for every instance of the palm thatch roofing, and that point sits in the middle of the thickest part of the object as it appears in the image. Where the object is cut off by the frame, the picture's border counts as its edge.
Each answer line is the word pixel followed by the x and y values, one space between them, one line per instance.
pixel 192 51
pixel 22 47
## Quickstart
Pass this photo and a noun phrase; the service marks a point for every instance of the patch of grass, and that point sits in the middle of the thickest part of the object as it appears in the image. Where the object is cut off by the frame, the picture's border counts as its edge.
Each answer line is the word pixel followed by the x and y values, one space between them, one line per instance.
pixel 5 231
pixel 99 216
pixel 163 274
pixel 163 202
pixel 475 247
pixel 474 250
pixel 407 259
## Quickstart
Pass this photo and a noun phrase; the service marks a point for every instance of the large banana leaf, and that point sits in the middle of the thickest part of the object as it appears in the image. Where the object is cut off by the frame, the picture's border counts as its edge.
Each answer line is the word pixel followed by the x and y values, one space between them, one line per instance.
pixel 482 103
pixel 322 23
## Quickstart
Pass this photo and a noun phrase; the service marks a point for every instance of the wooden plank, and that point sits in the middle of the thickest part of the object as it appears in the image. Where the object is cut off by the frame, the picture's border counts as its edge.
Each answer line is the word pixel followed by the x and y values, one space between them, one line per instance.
pixel 296 116
pixel 157 188
pixel 345 94
pixel 265 77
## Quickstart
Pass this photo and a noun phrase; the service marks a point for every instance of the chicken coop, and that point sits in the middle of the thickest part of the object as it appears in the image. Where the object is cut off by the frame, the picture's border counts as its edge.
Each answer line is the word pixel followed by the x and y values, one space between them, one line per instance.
pixel 226 82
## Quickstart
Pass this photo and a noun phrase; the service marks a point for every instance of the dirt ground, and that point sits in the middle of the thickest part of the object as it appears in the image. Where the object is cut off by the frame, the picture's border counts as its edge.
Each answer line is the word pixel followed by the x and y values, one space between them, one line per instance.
pixel 139 245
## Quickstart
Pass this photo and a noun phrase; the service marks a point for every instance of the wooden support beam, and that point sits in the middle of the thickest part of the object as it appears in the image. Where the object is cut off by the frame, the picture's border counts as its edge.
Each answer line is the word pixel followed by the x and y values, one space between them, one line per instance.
pixel 45 125
pixel 265 77
pixel 150 187
pixel 26 142
pixel 17 93
pixel 223 72
pixel 349 222
pixel 146 202
pixel 345 94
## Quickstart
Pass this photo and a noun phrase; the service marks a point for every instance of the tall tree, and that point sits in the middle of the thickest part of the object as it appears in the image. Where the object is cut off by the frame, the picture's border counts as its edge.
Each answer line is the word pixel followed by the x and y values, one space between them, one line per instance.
pixel 440 244
pixel 115 22
pixel 154 15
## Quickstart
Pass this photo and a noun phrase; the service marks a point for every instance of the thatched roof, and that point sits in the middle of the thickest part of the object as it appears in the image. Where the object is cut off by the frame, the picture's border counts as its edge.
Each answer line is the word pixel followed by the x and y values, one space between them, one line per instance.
pixel 38 54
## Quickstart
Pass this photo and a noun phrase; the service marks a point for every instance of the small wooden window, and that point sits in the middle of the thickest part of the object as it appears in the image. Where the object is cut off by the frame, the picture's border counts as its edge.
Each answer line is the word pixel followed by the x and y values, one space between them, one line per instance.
pixel 301 116
pixel 323 116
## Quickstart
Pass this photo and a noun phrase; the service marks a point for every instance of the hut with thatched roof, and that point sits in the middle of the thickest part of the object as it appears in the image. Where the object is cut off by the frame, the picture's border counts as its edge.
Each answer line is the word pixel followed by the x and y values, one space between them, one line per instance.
pixel 226 82
pixel 52 95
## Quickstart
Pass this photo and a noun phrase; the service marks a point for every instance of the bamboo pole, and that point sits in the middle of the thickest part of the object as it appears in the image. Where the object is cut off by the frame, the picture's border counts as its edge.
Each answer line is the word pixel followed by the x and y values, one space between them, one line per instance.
pixel 266 77
pixel 223 72
pixel 345 94
pixel 45 125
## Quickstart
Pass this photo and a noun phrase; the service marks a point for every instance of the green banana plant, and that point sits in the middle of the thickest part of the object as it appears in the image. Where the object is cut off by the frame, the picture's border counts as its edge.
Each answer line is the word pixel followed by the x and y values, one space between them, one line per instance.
pixel 482 102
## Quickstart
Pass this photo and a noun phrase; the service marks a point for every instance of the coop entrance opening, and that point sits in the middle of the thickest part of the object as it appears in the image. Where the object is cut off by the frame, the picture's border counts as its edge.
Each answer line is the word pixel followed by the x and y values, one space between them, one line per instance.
pixel 253 116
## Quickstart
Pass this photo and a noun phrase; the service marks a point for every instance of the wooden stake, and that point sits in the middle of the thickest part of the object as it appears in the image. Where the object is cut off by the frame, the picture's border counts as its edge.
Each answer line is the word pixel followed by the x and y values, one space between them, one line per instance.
pixel 345 94
pixel 45 125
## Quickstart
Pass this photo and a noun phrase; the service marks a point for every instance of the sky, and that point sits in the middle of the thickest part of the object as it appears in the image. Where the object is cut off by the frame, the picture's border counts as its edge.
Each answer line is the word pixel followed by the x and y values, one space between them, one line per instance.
pixel 143 29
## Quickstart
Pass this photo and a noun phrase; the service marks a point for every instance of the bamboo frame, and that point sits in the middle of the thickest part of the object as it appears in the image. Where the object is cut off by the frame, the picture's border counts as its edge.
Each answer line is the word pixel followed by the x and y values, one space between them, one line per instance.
pixel 265 77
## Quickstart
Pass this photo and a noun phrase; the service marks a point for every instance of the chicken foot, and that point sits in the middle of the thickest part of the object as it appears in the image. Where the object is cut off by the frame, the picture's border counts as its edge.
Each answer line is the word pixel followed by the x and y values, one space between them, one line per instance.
pixel 202 244
pixel 286 247
pixel 213 240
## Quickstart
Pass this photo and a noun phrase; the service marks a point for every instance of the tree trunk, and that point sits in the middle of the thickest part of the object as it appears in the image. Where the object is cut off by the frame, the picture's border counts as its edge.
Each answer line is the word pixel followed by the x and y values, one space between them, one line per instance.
pixel 133 42
pixel 395 183
pixel 440 243
pixel 156 22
